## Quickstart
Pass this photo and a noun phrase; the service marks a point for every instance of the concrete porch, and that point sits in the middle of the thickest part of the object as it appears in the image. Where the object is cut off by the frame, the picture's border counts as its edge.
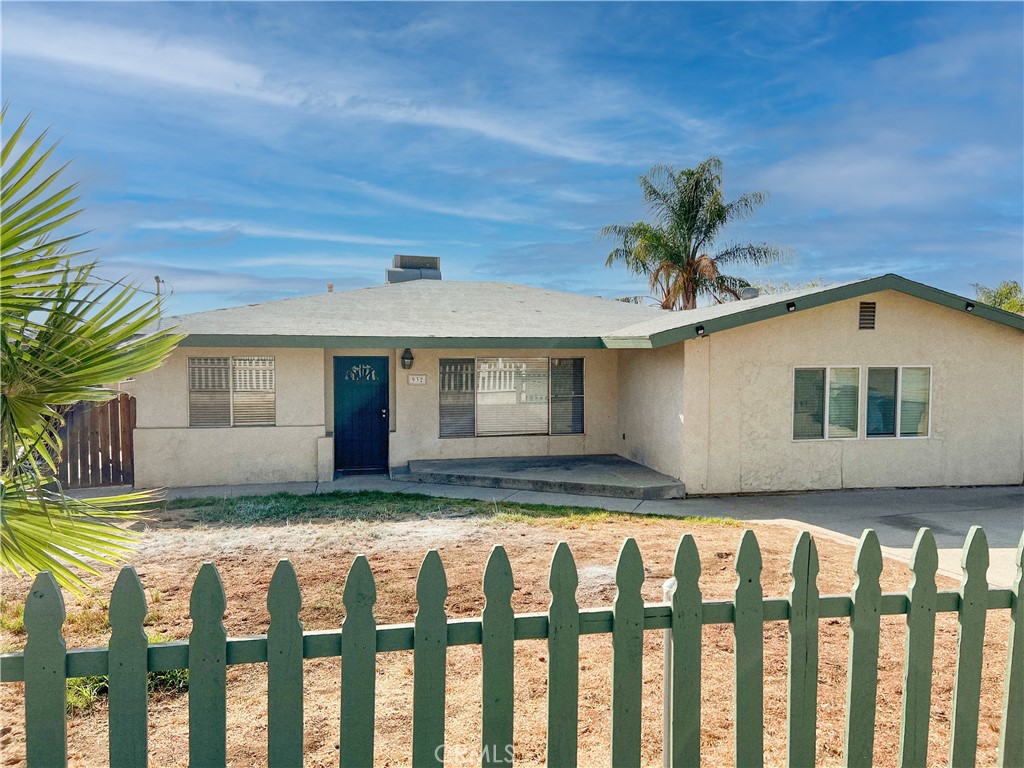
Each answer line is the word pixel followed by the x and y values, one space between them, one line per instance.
pixel 604 475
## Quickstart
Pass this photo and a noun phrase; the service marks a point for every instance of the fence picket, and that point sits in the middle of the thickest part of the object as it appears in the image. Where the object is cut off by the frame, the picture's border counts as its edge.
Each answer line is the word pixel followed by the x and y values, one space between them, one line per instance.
pixel 749 654
pixel 1011 733
pixel 627 656
pixel 46 730
pixel 919 653
pixel 359 666
pixel 207 657
pixel 563 660
pixel 127 666
pixel 429 663
pixel 284 669
pixel 862 674
pixel 803 653
pixel 682 653
pixel 113 417
pixel 970 642
pixel 498 648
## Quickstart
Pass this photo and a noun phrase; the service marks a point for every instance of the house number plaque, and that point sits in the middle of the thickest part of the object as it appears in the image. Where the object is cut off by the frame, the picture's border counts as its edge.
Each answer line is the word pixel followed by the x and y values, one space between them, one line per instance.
pixel 417 378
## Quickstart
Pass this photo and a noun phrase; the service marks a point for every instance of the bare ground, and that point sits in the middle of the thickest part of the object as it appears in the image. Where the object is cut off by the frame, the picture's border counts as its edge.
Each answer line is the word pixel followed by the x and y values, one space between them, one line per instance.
pixel 169 557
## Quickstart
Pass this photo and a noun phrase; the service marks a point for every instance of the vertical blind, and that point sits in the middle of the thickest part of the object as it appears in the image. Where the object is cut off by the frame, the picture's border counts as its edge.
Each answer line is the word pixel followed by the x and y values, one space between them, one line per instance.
pixel 492 396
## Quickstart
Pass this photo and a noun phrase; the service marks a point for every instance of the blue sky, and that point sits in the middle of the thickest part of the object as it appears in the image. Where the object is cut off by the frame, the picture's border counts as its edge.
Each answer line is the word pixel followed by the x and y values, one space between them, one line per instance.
pixel 246 152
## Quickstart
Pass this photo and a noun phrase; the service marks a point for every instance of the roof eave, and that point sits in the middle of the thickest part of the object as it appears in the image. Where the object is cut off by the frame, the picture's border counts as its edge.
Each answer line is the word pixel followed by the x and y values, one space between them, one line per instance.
pixel 400 342
pixel 831 295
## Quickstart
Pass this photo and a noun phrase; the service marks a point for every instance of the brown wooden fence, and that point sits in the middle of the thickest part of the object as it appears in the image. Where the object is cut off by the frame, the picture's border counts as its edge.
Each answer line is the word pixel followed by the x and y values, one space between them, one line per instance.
pixel 98 448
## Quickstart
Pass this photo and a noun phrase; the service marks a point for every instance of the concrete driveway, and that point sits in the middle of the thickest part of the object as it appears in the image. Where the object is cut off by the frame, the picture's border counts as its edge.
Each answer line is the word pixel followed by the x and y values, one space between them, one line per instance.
pixel 895 515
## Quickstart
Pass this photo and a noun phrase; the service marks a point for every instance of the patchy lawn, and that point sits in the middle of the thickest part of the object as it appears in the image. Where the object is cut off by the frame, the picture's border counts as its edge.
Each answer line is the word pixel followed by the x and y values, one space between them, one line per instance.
pixel 322 534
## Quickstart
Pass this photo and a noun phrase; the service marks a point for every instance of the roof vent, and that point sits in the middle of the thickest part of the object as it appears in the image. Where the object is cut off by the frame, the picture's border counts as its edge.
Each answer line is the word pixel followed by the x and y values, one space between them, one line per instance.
pixel 748 292
pixel 408 268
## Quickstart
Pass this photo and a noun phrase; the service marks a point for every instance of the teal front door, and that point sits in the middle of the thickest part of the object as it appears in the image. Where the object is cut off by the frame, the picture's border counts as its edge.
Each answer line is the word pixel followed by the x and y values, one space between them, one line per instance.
pixel 360 413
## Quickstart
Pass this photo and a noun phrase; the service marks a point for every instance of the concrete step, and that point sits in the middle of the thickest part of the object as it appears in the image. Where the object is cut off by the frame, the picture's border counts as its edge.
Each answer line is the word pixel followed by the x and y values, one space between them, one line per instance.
pixel 583 475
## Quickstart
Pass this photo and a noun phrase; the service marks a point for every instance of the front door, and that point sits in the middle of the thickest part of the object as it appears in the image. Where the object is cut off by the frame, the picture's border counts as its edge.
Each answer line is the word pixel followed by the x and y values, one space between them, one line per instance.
pixel 360 413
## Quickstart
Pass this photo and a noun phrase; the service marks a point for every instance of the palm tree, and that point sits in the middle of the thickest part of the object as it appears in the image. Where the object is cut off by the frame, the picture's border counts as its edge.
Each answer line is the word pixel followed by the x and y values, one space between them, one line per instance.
pixel 65 336
pixel 672 251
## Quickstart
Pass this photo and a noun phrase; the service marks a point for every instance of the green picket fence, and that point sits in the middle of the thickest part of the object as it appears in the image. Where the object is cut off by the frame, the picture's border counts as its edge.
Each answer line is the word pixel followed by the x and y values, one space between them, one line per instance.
pixel 46 662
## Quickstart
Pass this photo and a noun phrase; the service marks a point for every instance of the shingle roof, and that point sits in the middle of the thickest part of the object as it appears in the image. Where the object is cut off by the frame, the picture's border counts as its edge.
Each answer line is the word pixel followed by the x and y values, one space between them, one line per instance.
pixel 435 313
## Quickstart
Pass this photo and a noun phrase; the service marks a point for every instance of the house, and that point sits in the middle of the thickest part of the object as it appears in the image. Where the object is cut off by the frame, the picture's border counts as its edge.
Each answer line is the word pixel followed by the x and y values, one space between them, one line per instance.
pixel 875 383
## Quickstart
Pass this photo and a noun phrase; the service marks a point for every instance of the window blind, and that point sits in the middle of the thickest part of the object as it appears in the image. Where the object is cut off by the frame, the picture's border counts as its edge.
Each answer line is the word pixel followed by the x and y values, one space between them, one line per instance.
pixel 808 403
pixel 226 391
pixel 914 405
pixel 253 382
pixel 209 392
pixel 567 396
pixel 842 402
pixel 512 396
pixel 458 397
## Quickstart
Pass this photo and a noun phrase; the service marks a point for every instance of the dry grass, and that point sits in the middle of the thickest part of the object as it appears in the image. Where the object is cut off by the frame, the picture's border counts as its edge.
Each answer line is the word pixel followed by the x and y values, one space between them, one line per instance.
pixel 169 557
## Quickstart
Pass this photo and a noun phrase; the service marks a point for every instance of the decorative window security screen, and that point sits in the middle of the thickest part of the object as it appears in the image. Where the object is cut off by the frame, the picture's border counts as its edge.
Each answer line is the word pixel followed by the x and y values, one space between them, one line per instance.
pixel 911 410
pixel 225 391
pixel 492 396
pixel 812 410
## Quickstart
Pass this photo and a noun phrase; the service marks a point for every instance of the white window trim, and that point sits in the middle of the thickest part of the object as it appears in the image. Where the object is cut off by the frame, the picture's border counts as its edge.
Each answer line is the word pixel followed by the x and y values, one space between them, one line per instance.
pixel 828 378
pixel 899 403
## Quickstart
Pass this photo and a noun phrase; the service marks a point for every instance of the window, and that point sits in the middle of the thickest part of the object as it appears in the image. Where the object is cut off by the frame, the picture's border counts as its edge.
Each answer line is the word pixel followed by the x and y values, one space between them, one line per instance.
pixel 231 391
pixel 814 407
pixel 910 412
pixel 491 396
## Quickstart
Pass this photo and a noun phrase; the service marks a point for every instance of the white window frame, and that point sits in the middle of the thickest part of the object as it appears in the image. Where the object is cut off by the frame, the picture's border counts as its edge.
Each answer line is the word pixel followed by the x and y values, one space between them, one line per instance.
pixel 231 393
pixel 899 403
pixel 828 379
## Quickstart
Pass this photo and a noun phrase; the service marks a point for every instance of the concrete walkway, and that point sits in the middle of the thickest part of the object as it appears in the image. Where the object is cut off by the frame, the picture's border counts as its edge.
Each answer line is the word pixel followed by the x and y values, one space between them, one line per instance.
pixel 894 514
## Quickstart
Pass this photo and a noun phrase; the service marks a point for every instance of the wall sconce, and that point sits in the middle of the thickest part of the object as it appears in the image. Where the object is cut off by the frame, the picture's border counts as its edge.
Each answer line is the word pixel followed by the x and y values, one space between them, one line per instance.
pixel 791 306
pixel 970 306
pixel 407 359
pixel 700 330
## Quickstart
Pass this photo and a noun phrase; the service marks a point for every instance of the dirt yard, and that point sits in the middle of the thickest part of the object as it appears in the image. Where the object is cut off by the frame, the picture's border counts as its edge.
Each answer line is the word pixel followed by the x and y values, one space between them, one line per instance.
pixel 169 557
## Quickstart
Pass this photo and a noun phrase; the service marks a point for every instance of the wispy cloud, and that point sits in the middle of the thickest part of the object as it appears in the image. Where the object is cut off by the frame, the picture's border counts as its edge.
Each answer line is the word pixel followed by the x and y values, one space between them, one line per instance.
pixel 138 56
pixel 250 229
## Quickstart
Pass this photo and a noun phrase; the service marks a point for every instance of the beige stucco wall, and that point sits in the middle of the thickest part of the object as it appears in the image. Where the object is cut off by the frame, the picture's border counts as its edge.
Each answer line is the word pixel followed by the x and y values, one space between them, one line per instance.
pixel 415 409
pixel 650 411
pixel 739 401
pixel 170 453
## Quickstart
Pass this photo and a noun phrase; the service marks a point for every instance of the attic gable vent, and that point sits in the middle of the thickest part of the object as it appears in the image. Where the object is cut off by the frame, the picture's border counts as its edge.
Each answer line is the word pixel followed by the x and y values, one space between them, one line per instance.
pixel 866 321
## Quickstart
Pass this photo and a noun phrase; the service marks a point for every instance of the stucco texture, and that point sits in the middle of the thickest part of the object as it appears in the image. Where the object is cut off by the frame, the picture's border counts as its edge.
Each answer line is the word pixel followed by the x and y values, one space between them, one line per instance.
pixel 738 434
pixel 170 453
pixel 650 424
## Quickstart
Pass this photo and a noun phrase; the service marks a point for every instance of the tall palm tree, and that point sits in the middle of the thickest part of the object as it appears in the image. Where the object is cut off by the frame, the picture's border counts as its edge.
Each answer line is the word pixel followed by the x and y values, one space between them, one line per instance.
pixel 675 251
pixel 65 337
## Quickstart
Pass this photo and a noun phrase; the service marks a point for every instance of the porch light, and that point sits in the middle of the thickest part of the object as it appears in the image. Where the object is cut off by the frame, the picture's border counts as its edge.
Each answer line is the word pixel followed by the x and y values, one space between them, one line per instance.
pixel 791 306
pixel 407 359
pixel 700 330
pixel 970 306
